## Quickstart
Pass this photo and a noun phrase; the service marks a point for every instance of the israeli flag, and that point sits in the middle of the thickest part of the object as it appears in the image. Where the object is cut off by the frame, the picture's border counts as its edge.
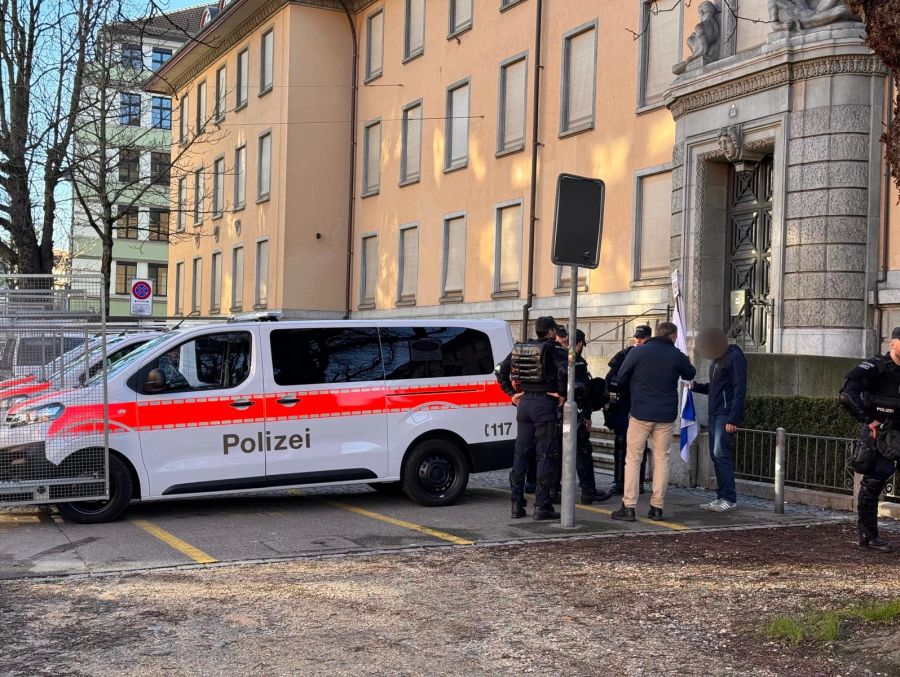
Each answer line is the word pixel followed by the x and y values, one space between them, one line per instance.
pixel 688 424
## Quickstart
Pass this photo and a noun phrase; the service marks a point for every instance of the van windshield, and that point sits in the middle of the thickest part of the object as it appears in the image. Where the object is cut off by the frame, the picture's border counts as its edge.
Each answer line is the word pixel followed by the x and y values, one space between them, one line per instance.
pixel 130 358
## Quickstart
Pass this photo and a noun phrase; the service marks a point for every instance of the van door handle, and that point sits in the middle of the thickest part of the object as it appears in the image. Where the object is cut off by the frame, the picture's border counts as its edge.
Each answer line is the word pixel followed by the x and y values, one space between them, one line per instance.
pixel 288 400
pixel 242 404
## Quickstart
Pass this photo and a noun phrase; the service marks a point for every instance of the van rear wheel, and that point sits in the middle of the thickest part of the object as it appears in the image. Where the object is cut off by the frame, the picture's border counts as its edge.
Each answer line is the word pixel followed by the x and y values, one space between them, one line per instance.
pixel 95 512
pixel 435 473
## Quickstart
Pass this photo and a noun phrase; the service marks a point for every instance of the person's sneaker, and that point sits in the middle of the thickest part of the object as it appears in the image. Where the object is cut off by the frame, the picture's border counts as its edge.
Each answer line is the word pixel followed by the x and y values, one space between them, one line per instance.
pixel 655 513
pixel 723 505
pixel 530 487
pixel 624 514
pixel 542 514
pixel 518 510
pixel 875 543
pixel 711 506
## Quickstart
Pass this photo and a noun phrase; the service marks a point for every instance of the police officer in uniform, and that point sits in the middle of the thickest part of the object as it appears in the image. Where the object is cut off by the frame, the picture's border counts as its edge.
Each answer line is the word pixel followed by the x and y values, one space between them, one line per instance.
pixel 871 393
pixel 584 457
pixel 538 367
pixel 618 409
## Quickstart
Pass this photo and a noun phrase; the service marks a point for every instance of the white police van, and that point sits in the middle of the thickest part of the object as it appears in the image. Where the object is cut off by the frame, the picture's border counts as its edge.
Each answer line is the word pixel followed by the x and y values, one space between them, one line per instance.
pixel 253 406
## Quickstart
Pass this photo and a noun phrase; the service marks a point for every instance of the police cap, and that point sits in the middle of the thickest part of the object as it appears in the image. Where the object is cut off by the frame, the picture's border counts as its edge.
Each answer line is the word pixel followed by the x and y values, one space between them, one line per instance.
pixel 562 331
pixel 896 333
pixel 579 336
pixel 643 331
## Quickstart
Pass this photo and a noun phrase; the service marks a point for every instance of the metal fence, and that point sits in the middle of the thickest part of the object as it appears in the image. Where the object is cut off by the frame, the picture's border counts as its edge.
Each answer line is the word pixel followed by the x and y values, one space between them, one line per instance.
pixel 810 461
pixel 53 400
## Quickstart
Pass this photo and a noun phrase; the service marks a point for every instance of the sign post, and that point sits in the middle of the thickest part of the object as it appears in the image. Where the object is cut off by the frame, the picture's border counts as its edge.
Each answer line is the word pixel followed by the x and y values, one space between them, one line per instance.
pixel 576 243
pixel 141 298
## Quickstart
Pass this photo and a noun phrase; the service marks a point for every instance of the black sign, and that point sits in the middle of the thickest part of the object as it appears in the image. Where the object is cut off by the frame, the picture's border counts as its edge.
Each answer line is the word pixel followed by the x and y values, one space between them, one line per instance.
pixel 578 222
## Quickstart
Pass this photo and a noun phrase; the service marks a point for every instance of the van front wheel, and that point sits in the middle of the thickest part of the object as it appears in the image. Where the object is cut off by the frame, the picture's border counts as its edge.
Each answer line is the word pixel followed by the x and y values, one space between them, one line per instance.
pixel 435 473
pixel 95 512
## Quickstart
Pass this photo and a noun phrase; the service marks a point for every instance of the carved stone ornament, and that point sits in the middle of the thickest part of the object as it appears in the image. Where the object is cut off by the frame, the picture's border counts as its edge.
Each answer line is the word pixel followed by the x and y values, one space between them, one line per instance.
pixel 704 41
pixel 730 141
pixel 793 15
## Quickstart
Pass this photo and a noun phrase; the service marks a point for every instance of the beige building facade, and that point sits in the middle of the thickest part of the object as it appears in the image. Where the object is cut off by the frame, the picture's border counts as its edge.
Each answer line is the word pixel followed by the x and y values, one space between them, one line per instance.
pixel 423 182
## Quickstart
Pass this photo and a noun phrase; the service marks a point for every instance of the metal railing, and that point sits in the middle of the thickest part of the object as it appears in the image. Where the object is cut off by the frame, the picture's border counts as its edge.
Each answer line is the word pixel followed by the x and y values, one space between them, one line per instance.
pixel 804 461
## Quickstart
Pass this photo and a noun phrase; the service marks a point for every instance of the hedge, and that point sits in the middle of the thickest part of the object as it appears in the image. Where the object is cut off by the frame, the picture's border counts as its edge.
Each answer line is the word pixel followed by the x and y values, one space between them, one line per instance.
pixel 800 415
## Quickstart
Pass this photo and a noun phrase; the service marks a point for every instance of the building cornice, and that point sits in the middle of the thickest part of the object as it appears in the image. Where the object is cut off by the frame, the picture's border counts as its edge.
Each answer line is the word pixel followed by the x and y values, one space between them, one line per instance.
pixel 776 76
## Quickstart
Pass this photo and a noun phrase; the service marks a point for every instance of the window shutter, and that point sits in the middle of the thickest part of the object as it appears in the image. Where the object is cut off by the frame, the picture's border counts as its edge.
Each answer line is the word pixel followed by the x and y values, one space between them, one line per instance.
pixel 514 105
pixel 268 56
pixel 462 13
pixel 410 262
pixel 413 158
pixel 510 247
pixel 370 268
pixel 656 219
pixel 373 158
pixel 662 47
pixel 415 27
pixel 265 165
pixel 455 254
pixel 237 277
pixel 262 272
pixel 753 26
pixel 580 85
pixel 376 46
pixel 459 134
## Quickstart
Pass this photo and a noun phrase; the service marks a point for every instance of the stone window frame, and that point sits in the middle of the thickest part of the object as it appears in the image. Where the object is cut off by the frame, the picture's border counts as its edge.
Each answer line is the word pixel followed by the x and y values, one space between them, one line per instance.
pixel 406 299
pixel 565 129
pixel 499 293
pixel 637 225
pixel 643 51
pixel 502 78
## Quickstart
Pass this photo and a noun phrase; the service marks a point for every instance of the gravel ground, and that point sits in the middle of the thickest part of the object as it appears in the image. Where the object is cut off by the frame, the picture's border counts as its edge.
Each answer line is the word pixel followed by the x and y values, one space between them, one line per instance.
pixel 673 604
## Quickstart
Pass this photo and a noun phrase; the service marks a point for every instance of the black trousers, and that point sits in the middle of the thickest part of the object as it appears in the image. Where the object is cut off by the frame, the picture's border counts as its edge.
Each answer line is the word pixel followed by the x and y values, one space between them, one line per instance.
pixel 584 459
pixel 878 471
pixel 535 438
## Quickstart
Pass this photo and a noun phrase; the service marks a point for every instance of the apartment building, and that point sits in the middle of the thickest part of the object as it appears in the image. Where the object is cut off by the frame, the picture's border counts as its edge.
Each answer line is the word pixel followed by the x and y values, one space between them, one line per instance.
pixel 400 162
pixel 139 126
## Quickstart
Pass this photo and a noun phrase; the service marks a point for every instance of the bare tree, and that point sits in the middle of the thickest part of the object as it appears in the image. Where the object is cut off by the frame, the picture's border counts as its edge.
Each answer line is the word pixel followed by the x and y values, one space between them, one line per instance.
pixel 43 57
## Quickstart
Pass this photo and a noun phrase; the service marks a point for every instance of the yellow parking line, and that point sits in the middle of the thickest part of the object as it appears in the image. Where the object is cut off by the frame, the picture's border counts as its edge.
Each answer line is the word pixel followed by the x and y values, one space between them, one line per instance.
pixel 173 541
pixel 443 535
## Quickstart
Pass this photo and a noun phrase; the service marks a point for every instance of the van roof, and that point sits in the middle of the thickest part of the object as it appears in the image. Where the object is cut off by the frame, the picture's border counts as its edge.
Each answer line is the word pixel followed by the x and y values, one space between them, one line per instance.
pixel 401 322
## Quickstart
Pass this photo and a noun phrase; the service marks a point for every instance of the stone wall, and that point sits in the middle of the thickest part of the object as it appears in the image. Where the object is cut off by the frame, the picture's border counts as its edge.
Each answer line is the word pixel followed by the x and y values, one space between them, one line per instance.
pixel 787 375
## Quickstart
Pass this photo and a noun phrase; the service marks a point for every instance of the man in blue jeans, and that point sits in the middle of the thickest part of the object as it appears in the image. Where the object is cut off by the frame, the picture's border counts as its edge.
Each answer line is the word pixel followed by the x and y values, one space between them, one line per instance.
pixel 727 390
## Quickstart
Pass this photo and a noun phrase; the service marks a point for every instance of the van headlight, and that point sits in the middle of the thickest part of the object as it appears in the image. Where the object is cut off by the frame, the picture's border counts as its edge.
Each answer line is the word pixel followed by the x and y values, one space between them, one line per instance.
pixel 42 414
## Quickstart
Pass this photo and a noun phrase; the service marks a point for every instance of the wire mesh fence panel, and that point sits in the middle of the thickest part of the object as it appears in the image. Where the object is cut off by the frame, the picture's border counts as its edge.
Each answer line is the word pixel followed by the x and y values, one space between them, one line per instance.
pixel 53 403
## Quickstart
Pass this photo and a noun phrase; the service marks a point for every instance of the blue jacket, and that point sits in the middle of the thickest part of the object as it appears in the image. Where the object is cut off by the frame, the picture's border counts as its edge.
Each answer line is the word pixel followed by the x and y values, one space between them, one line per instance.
pixel 727 387
pixel 651 374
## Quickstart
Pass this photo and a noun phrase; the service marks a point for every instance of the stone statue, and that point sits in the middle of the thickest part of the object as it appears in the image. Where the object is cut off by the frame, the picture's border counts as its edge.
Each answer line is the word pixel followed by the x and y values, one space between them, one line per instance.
pixel 731 142
pixel 792 15
pixel 704 41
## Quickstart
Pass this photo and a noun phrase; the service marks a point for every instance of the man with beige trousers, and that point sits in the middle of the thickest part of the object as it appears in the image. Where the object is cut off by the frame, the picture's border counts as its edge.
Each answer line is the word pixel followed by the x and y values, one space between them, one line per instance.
pixel 651 373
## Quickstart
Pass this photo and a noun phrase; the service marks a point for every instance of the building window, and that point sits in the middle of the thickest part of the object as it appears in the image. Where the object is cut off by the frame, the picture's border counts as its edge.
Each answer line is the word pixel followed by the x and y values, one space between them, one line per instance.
pixel 456 129
pixel 262 274
pixel 127 223
pixel 374 44
pixel 508 3
pixel 414 37
pixel 652 226
pixel 129 165
pixel 264 168
pixel 215 283
pixel 660 48
pixel 159 275
pixel 372 159
pixel 161 112
pixel 179 288
pixel 460 16
pixel 159 225
pixel 159 168
pixel 160 56
pixel 130 110
pixel 753 24
pixel 237 278
pixel 513 91
pixel 564 278
pixel 221 93
pixel 579 79
pixel 201 107
pixel 182 203
pixel 126 271
pixel 198 197
pixel 132 57
pixel 240 177
pixel 218 195
pixel 369 271
pixel 508 248
pixel 454 273
pixel 266 62
pixel 242 90
pixel 409 264
pixel 183 119
pixel 411 155
pixel 196 285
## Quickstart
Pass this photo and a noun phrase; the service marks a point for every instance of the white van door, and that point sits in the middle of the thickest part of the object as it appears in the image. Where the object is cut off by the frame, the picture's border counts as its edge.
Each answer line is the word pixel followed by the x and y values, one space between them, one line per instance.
pixel 324 404
pixel 201 414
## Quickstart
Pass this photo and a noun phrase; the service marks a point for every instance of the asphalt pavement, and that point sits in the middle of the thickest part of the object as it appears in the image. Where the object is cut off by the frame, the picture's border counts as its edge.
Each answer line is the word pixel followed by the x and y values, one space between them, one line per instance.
pixel 36 542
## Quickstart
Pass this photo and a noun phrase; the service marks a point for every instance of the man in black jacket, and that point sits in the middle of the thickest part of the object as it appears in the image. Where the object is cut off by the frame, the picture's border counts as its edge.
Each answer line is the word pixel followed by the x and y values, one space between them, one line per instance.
pixel 651 374
pixel 727 390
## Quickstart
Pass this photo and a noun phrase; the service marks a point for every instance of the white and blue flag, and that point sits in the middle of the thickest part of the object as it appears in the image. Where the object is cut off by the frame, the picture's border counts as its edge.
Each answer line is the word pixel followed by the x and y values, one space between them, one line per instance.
pixel 688 424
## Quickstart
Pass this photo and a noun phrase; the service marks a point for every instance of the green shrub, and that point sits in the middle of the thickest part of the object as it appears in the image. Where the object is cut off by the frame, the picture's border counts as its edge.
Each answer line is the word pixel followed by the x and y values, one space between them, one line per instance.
pixel 800 415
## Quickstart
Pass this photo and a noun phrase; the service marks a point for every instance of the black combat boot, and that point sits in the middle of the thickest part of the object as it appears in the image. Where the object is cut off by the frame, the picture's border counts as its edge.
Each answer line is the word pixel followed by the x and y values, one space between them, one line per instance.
pixel 624 514
pixel 545 514
pixel 589 496
pixel 518 510
pixel 655 513
pixel 874 543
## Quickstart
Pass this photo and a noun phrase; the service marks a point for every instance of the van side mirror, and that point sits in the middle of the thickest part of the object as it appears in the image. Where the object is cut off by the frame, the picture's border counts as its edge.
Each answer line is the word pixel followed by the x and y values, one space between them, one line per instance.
pixel 156 381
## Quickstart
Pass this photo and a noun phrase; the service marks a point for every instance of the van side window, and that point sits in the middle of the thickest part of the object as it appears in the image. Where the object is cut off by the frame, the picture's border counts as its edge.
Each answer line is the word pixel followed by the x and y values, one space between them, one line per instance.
pixel 325 355
pixel 211 362
pixel 435 352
